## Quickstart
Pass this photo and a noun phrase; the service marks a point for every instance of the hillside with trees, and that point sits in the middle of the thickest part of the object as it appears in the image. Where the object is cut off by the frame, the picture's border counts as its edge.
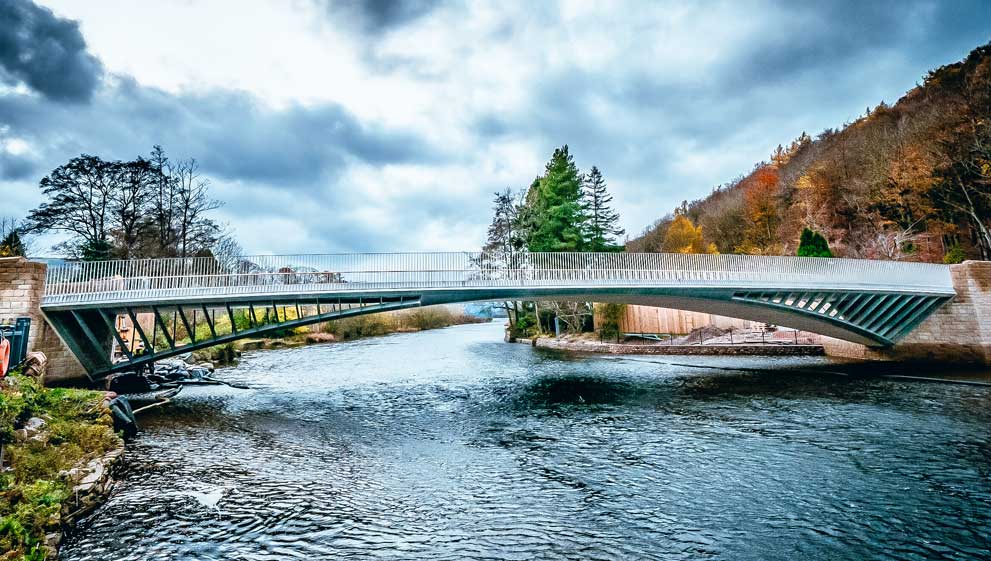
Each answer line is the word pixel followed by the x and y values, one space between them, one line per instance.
pixel 910 181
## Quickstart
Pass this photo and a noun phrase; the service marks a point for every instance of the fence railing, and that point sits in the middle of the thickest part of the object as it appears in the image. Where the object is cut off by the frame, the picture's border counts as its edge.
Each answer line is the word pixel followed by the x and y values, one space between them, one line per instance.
pixel 69 282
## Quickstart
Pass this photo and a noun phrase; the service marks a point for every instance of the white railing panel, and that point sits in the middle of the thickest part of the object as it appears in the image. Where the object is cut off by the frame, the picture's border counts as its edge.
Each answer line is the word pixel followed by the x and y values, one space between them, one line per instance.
pixel 70 282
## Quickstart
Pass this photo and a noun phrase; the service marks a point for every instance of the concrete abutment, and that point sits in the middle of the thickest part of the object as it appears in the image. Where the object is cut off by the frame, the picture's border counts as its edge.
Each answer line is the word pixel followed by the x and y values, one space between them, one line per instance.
pixel 959 332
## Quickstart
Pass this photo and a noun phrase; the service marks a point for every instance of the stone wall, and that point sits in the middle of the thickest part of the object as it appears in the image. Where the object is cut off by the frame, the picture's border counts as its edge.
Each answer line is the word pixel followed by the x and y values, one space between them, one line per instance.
pixel 602 347
pixel 959 332
pixel 22 284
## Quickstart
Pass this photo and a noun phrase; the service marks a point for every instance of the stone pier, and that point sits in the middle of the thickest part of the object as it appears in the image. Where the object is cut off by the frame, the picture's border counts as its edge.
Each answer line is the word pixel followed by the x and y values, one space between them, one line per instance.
pixel 22 285
pixel 957 333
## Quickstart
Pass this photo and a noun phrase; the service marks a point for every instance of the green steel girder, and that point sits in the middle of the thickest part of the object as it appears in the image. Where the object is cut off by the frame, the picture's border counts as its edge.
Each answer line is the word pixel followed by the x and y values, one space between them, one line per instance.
pixel 870 317
pixel 91 333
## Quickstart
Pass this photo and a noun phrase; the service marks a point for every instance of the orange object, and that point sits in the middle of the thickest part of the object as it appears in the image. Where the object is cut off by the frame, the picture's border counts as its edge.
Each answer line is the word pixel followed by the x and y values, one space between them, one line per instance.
pixel 4 356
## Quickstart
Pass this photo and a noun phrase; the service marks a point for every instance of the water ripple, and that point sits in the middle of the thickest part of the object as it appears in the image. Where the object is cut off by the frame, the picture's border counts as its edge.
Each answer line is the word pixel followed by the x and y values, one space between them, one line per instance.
pixel 453 445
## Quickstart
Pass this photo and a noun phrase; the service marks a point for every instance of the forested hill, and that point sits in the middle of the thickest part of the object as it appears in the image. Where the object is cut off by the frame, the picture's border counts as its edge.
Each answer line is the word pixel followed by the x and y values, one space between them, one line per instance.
pixel 910 181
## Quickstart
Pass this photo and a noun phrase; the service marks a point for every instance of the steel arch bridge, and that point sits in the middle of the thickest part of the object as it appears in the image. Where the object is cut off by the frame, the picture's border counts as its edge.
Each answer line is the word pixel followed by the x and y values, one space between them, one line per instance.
pixel 200 302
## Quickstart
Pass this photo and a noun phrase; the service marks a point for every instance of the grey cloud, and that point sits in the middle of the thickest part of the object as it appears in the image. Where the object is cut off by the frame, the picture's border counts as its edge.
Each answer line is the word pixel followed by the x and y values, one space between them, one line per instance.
pixel 15 167
pixel 45 52
pixel 231 133
pixel 816 66
pixel 662 135
pixel 377 16
pixel 266 163
pixel 825 38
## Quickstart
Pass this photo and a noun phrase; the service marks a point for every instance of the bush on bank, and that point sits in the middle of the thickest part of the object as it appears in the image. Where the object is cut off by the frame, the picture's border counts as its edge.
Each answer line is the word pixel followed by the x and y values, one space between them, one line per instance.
pixel 384 323
pixel 33 481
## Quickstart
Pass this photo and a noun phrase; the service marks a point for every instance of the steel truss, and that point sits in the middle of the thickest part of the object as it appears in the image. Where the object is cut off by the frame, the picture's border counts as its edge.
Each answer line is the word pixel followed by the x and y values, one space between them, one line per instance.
pixel 95 338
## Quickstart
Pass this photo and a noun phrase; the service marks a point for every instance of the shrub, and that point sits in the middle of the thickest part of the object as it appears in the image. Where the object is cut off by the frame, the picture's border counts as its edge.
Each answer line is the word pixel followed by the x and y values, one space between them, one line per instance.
pixel 812 244
pixel 611 314
pixel 955 255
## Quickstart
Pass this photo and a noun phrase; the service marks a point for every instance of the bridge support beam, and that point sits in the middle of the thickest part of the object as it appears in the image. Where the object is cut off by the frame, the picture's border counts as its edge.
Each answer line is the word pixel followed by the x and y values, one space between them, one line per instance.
pixel 957 333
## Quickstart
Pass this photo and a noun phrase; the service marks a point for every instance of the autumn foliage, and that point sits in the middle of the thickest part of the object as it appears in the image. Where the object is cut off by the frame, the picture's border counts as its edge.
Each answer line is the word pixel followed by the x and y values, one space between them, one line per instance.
pixel 911 181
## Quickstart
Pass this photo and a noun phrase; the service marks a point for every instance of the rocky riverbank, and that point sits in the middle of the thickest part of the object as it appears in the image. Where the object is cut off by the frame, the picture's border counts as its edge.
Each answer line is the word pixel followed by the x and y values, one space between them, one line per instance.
pixel 59 451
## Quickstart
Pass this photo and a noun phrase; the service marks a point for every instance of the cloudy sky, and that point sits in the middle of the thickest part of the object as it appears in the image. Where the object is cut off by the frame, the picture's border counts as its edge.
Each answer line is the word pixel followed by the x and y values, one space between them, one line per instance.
pixel 341 125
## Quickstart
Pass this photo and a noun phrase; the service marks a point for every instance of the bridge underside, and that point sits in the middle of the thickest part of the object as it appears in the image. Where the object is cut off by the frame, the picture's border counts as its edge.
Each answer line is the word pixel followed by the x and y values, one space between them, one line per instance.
pixel 181 325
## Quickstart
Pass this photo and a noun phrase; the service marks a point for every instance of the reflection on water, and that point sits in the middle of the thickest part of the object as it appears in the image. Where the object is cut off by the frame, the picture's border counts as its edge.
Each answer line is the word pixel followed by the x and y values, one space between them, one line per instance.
pixel 451 444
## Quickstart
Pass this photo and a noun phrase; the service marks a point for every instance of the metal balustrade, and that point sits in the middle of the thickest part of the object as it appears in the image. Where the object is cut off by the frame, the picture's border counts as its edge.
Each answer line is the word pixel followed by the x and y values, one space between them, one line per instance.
pixel 108 281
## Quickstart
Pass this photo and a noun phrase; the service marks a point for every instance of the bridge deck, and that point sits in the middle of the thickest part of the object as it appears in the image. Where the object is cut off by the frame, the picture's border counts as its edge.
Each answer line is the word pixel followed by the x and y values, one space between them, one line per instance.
pixel 870 302
pixel 148 279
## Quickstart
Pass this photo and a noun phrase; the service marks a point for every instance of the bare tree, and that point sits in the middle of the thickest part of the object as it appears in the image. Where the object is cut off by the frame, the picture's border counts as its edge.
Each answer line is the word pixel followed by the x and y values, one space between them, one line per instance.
pixel 228 253
pixel 572 314
pixel 164 199
pixel 193 230
pixel 886 242
pixel 142 208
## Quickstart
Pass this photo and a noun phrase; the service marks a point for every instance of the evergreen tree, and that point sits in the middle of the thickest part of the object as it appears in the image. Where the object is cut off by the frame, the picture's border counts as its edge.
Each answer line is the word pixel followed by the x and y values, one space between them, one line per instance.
pixel 96 250
pixel 12 246
pixel 558 219
pixel 812 244
pixel 601 221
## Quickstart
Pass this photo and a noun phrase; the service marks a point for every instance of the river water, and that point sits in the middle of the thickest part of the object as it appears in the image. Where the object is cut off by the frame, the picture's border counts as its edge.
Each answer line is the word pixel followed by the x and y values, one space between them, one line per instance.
pixel 451 444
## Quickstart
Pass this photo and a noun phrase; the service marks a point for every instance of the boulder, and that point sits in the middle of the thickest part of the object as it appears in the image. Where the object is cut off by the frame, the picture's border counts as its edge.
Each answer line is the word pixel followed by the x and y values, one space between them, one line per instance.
pixel 312 338
pixel 35 424
pixel 36 366
pixel 95 474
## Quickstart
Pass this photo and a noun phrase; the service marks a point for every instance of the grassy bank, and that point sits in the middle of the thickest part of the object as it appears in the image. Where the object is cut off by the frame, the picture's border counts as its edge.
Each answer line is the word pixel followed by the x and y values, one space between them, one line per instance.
pixel 369 325
pixel 34 485
pixel 417 319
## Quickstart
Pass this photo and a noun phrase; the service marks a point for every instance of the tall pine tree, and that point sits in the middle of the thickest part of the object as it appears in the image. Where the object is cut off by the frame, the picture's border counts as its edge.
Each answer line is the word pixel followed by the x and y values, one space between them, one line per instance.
pixel 601 221
pixel 558 217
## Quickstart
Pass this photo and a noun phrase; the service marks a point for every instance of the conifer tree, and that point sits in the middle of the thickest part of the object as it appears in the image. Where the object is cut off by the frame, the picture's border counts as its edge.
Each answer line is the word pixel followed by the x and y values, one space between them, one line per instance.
pixel 11 245
pixel 812 244
pixel 559 220
pixel 601 221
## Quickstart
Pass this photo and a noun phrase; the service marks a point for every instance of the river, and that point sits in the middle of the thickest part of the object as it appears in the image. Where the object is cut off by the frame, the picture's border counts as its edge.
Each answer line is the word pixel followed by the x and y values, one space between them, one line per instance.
pixel 451 444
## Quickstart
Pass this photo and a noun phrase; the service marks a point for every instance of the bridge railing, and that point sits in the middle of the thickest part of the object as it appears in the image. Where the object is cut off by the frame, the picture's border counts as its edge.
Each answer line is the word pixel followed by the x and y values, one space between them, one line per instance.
pixel 150 278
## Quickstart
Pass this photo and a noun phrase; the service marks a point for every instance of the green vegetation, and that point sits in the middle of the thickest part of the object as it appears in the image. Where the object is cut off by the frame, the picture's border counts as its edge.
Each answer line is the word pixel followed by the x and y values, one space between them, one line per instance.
pixel 905 181
pixel 11 243
pixel 556 204
pixel 610 316
pixel 812 244
pixel 562 210
pixel 33 491
pixel 956 254
pixel 393 322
